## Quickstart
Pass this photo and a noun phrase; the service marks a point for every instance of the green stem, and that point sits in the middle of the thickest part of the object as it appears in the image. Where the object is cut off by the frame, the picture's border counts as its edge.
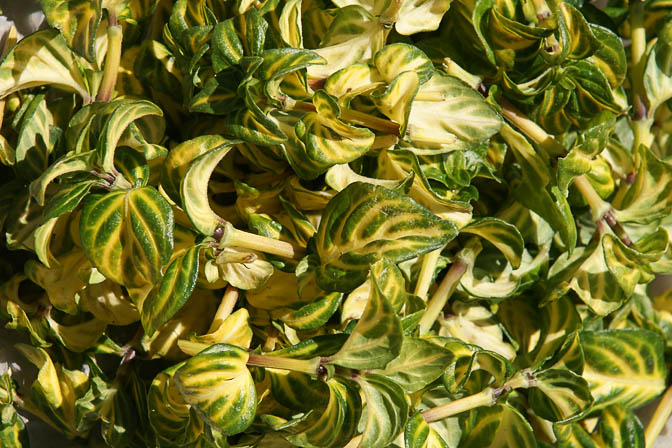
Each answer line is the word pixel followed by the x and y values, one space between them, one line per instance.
pixel 598 207
pixel 112 60
pixel 660 417
pixel 441 295
pixel 309 366
pixel 486 397
pixel 246 240
pixel 429 261
pixel 637 50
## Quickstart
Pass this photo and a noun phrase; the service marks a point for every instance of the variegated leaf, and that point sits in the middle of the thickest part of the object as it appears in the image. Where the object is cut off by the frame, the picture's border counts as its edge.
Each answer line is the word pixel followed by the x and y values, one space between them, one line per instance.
pixel 364 223
pixel 128 233
pixel 499 426
pixel 387 411
pixel 77 21
pixel 217 384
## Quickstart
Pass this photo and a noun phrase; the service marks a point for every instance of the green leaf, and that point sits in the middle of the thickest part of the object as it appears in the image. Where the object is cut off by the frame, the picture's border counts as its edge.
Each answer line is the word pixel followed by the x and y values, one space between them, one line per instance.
pixel 126 233
pixel 572 435
pixel 364 223
pixel 582 42
pixel 377 337
pixel 624 367
pixel 499 426
pixel 77 20
pixel 327 140
pixel 315 314
pixel 610 56
pixel 658 71
pixel 536 190
pixel 172 292
pixel 217 384
pixel 43 58
pixel 502 235
pixel 194 190
pixel 448 115
pixel 419 363
pixel 619 427
pixel 418 434
pixel 386 410
pixel 67 199
pixel 559 395
pixel 69 163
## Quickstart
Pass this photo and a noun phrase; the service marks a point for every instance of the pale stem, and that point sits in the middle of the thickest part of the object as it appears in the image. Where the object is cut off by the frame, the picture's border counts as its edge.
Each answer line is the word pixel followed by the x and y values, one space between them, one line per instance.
pixel 598 207
pixel 225 308
pixel 356 117
pixel 660 417
pixel 309 366
pixel 354 442
pixel 531 129
pixel 389 16
pixel 384 141
pixel 454 69
pixel 426 275
pixel 637 47
pixel 112 61
pixel 441 295
pixel 484 398
pixel 252 241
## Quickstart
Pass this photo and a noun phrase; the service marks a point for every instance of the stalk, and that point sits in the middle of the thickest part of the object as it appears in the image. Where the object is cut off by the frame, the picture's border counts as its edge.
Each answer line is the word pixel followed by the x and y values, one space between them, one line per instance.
pixel 309 366
pixel 246 240
pixel 427 269
pixel 600 209
pixel 225 307
pixel 641 123
pixel 486 397
pixel 112 59
pixel 464 258
pixel 531 129
pixel 660 417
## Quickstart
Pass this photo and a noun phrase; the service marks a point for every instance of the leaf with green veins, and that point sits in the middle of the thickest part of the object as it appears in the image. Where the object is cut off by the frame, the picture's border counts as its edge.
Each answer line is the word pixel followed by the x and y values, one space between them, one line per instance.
pixel 37 138
pixel 177 162
pixel 376 339
pixel 282 61
pixel 391 282
pixel 351 81
pixel 218 386
pixel 340 176
pixel 315 314
pixel 327 139
pixel 194 189
pixel 499 426
pixel 172 292
pixel 536 190
pixel 127 233
pixel 572 435
pixel 77 21
pixel 619 427
pixel 396 101
pixel 630 266
pixel 132 165
pixel 649 198
pixel 297 390
pixel 623 366
pixel 419 363
pixel 387 410
pixel 43 58
pixel 501 234
pixel 610 56
pixel 559 395
pixel 324 428
pixel 397 58
pixel 418 434
pixel 124 113
pixel 227 49
pixel 364 223
pixel 70 163
pixel 559 319
pixel 582 42
pixel 448 115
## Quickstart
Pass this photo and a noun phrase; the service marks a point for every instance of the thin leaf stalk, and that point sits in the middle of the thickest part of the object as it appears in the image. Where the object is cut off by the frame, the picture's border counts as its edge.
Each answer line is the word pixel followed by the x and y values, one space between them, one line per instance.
pixel 309 366
pixel 598 207
pixel 225 308
pixel 637 51
pixel 112 61
pixel 660 416
pixel 531 129
pixel 246 240
pixel 486 397
pixel 442 294
pixel 427 268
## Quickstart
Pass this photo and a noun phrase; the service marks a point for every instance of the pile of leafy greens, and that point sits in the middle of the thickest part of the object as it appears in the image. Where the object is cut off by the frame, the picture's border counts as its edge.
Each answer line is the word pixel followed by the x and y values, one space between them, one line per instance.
pixel 359 223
